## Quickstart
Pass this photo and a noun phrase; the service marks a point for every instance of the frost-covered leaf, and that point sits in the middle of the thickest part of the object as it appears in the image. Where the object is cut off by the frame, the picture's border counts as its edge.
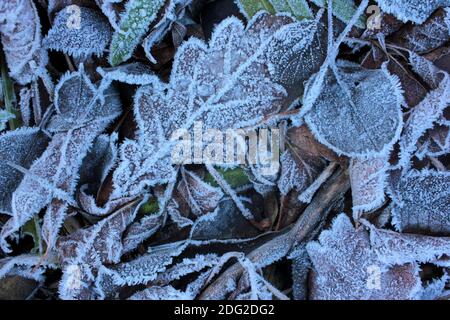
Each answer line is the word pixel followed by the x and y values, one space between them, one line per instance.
pixel 20 31
pixel 436 289
pixel 141 270
pixel 358 114
pixel 368 181
pixel 297 54
pixel 430 35
pixel 421 202
pixel 134 23
pixel 298 8
pixel 141 230
pixel 174 18
pixel 132 73
pixel 295 174
pixel 86 250
pixel 82 36
pixel 79 102
pixel 422 118
pixel 395 248
pixel 207 84
pixel 343 10
pixel 160 293
pixel 416 11
pixel 25 105
pixel 426 70
pixel 200 196
pixel 436 144
pixel 20 147
pixel 27 265
pixel 301 264
pixel 109 9
pixel 135 171
pixel 100 243
pixel 100 160
pixel 88 203
pixel 55 173
pixel 188 266
pixel 345 267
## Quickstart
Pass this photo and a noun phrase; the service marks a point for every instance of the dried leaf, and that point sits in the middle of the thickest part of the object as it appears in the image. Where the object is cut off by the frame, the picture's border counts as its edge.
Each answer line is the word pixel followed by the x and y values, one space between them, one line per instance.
pixel 20 31
pixel 430 35
pixel 55 173
pixel 368 179
pixel 207 84
pixel 421 202
pixel 295 175
pixel 346 268
pixel 426 70
pixel 359 114
pixel 416 11
pixel 422 118
pixel 86 250
pixel 132 73
pixel 27 266
pixel 395 248
pixel 226 222
pixel 200 196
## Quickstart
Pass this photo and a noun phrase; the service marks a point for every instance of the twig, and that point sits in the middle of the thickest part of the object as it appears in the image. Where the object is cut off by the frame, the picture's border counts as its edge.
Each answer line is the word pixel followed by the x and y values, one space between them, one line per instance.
pixel 308 194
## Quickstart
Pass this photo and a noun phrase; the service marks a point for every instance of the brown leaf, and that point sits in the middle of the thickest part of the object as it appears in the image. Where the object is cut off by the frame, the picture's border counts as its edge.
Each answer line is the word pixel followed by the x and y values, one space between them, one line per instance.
pixel 432 34
pixel 345 267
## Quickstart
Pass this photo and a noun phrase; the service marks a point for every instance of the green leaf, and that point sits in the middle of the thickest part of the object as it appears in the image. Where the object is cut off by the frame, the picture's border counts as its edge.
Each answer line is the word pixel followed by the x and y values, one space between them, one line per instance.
pixel 150 207
pixel 344 11
pixel 33 229
pixel 298 8
pixel 234 177
pixel 9 98
pixel 134 24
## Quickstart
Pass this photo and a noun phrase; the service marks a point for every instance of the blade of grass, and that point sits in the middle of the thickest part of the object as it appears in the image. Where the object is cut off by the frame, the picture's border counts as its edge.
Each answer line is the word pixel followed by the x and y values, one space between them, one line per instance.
pixel 8 94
